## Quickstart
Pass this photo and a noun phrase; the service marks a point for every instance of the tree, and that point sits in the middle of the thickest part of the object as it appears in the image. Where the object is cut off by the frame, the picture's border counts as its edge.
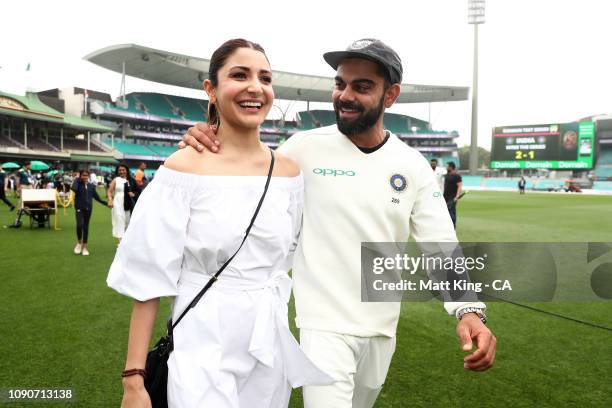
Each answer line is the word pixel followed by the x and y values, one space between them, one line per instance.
pixel 484 158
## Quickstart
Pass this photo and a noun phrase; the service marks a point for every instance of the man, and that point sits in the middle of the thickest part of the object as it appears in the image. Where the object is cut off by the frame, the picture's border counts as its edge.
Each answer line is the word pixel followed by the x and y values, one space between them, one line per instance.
pixel 93 179
pixel 4 189
pixel 362 184
pixel 439 172
pixel 24 178
pixel 452 190
pixel 521 185
pixel 140 179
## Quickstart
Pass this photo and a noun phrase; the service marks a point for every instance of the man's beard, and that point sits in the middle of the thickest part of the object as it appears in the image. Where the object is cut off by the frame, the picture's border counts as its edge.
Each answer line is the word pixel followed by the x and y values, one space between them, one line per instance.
pixel 363 122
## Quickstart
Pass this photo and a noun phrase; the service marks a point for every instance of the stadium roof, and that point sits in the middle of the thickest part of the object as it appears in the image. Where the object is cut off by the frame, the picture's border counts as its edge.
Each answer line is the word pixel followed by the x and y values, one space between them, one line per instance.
pixel 31 107
pixel 189 72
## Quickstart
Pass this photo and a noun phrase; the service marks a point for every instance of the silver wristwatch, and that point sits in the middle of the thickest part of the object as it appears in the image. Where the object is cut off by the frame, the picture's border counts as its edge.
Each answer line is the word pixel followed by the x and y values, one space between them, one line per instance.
pixel 471 309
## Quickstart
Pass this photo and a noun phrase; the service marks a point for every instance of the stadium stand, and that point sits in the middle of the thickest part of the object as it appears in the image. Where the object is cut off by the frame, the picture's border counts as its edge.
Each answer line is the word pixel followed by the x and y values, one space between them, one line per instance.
pixel 602 185
pixel 603 172
pixel 323 117
pixel 134 149
pixel 472 181
pixel 191 109
pixel 163 151
pixel 163 106
pixel 34 126
pixel 71 143
pixel 305 120
pixel 500 183
pixel 398 124
pixel 605 157
pixel 5 141
pixel 156 104
pixel 603 168
pixel 40 144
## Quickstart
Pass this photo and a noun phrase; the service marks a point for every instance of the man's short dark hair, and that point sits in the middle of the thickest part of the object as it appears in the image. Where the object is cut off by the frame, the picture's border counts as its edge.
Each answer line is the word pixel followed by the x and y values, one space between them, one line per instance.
pixel 436 160
pixel 383 73
pixel 451 165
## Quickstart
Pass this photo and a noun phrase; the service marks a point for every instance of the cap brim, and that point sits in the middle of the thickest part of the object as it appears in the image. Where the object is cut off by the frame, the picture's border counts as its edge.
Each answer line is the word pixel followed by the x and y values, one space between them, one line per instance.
pixel 334 58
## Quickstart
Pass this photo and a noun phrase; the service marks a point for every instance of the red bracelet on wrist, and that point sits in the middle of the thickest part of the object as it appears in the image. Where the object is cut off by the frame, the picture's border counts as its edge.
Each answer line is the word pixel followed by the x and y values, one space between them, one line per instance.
pixel 134 371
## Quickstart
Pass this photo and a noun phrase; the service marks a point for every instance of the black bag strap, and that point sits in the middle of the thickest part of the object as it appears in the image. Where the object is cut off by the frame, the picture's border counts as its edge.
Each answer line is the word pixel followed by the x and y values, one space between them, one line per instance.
pixel 214 278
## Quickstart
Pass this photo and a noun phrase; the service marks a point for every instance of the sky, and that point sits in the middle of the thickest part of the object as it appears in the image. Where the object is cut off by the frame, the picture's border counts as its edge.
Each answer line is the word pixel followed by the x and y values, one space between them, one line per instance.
pixel 540 61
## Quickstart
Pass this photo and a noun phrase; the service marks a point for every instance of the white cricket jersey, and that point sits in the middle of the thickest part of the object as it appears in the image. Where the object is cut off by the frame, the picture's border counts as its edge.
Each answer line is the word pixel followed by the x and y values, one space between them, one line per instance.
pixel 440 173
pixel 349 199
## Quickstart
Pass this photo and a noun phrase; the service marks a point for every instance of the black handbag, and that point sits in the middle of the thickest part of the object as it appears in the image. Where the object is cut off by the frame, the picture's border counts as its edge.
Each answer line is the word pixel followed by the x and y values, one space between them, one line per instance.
pixel 156 378
pixel 128 201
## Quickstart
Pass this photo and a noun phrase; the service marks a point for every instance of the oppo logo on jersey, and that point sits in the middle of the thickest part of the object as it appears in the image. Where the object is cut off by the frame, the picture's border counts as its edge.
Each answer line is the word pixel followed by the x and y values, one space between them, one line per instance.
pixel 333 172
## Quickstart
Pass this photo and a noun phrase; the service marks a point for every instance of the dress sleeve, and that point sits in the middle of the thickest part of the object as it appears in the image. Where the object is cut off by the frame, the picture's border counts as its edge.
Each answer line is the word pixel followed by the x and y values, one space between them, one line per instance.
pixel 296 209
pixel 148 262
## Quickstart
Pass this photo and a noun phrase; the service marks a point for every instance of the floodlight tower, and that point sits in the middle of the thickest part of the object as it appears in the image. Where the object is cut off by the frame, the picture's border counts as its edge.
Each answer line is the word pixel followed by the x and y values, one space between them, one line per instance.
pixel 476 16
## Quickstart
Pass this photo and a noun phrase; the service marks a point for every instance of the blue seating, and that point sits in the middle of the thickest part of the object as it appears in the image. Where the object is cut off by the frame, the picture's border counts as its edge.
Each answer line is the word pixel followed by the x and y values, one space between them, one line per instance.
pixel 602 185
pixel 471 181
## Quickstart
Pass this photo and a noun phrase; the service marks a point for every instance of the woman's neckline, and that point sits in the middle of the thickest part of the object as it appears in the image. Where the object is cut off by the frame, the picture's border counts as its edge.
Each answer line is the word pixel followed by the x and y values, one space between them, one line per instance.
pixel 164 168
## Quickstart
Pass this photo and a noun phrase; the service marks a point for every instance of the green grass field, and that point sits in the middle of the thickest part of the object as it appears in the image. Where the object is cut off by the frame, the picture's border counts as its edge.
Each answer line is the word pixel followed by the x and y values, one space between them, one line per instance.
pixel 62 327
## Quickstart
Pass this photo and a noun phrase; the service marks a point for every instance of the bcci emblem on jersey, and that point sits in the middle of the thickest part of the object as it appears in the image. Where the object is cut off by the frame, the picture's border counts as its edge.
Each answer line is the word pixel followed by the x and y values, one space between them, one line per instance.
pixel 398 183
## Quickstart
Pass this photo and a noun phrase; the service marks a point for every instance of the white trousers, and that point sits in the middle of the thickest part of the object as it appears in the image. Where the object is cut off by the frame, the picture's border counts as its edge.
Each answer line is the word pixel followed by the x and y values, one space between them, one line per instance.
pixel 360 364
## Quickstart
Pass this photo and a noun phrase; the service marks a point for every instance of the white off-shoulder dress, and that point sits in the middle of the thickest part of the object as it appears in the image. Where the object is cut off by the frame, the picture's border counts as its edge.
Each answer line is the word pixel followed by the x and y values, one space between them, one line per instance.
pixel 234 349
pixel 120 218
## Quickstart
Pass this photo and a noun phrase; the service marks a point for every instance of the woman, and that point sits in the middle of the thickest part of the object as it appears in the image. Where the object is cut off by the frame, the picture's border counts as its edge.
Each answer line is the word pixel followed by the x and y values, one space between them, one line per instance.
pixel 84 194
pixel 121 205
pixel 234 348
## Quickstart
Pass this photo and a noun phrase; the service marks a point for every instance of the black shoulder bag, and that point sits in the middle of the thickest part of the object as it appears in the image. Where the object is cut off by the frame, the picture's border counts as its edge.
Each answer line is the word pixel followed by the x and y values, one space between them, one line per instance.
pixel 128 201
pixel 156 378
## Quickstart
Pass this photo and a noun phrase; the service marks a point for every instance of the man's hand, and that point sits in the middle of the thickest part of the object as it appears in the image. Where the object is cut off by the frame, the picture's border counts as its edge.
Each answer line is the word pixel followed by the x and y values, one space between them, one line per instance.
pixel 471 329
pixel 199 136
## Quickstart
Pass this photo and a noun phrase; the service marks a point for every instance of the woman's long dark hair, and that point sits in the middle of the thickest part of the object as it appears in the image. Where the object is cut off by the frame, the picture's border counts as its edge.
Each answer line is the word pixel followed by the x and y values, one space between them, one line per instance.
pixel 128 175
pixel 217 61
pixel 127 169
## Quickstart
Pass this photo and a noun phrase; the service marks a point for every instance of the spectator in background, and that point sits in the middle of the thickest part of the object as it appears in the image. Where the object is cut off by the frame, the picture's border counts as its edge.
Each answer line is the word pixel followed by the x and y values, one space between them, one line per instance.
pixel 108 178
pixel 122 202
pixel 4 189
pixel 521 185
pixel 57 181
pixel 84 194
pixel 24 178
pixel 12 180
pixel 93 178
pixel 439 172
pixel 67 180
pixel 140 179
pixel 38 180
pixel 452 190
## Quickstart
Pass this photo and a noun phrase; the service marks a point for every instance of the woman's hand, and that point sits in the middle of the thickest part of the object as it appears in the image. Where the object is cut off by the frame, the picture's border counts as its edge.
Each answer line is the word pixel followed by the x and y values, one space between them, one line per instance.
pixel 109 204
pixel 135 394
